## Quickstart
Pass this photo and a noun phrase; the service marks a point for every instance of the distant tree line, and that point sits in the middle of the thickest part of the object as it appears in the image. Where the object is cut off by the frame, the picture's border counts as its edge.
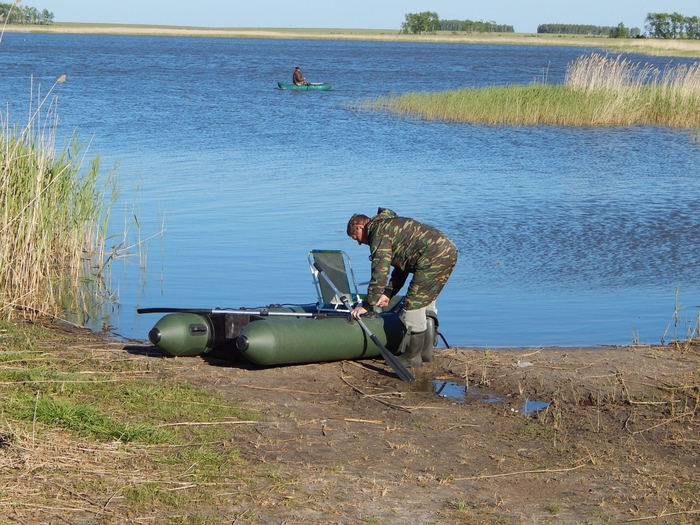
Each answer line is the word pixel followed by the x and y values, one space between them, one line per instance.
pixel 17 14
pixel 417 23
pixel 657 25
pixel 429 22
pixel 674 25
pixel 585 29
pixel 471 26
pixel 625 32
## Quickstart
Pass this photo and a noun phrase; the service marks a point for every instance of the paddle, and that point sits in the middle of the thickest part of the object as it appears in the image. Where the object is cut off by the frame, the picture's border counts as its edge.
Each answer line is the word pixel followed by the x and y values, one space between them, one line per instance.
pixel 386 354
pixel 263 312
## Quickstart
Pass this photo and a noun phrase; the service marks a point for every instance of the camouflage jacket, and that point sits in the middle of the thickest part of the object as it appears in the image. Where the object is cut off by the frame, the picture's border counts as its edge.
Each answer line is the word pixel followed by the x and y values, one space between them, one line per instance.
pixel 404 244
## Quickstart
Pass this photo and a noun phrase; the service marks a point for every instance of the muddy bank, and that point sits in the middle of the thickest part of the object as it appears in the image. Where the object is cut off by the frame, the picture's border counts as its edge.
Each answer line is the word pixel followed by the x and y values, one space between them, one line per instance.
pixel 614 439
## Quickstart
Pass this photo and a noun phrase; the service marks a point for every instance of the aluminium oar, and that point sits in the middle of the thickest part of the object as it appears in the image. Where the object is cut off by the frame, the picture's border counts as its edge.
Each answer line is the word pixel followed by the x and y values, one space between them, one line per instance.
pixel 386 354
pixel 262 312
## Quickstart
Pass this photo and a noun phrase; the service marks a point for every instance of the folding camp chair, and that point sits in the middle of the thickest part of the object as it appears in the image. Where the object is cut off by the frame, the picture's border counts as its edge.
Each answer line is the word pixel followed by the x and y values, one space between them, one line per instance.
pixel 336 265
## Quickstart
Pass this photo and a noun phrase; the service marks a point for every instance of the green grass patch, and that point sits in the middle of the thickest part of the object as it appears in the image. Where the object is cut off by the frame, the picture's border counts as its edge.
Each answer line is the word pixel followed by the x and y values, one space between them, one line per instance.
pixel 599 91
pixel 88 420
pixel 40 384
pixel 98 421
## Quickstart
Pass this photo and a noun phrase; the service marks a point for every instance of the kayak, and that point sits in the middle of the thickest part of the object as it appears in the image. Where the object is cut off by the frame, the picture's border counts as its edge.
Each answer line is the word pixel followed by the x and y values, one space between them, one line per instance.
pixel 274 335
pixel 324 86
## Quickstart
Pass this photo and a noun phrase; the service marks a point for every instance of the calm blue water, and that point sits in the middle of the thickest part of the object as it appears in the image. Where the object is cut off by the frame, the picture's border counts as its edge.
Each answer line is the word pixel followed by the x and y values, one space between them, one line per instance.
pixel 566 236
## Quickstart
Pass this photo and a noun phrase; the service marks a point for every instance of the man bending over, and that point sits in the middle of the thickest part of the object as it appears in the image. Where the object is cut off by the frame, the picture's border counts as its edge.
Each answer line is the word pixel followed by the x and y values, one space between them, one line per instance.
pixel 407 246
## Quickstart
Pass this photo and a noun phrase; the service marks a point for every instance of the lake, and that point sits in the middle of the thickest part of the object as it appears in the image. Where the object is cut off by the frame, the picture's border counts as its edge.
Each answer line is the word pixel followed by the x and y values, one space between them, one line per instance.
pixel 567 236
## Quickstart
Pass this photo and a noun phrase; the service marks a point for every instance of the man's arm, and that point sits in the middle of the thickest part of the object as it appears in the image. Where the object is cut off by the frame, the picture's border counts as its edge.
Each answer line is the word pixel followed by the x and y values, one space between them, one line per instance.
pixel 398 279
pixel 381 265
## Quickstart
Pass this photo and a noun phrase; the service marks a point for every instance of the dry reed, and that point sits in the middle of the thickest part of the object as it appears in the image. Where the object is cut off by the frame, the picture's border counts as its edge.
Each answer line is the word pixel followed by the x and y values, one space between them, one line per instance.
pixel 53 219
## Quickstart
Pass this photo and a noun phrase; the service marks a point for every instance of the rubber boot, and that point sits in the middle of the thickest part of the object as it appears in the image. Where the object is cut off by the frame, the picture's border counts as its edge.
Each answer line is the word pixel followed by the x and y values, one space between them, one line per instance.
pixel 412 355
pixel 429 341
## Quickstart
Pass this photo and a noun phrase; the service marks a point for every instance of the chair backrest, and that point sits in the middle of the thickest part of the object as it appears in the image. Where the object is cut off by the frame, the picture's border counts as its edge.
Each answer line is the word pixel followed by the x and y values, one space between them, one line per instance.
pixel 336 265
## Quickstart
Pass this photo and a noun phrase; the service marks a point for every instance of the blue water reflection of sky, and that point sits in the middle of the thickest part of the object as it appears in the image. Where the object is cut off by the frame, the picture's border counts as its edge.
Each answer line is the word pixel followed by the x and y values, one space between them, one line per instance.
pixel 567 236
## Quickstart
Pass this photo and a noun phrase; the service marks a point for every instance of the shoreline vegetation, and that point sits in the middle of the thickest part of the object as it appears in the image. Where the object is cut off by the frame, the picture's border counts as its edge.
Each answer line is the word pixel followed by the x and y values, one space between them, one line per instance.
pixel 598 91
pixel 648 46
pixel 53 221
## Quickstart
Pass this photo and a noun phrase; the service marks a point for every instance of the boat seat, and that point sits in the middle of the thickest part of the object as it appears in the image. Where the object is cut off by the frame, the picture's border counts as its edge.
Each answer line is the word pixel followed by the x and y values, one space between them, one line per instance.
pixel 336 265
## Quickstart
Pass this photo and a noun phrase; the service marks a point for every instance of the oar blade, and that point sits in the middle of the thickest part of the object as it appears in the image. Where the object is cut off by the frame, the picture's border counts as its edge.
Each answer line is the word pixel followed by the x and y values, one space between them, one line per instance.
pixel 393 362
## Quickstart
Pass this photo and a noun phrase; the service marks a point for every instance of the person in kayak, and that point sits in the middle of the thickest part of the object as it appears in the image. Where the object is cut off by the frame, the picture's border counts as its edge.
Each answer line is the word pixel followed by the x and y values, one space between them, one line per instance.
pixel 298 78
pixel 407 246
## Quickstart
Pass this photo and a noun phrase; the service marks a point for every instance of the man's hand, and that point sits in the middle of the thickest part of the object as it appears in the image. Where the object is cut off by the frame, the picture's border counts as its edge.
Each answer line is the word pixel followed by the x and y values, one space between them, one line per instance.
pixel 383 301
pixel 358 311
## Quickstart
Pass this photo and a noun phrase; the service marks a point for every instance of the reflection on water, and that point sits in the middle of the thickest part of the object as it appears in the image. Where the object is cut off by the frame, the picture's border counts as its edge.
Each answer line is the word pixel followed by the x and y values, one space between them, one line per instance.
pixel 531 407
pixel 450 390
pixel 566 236
pixel 461 394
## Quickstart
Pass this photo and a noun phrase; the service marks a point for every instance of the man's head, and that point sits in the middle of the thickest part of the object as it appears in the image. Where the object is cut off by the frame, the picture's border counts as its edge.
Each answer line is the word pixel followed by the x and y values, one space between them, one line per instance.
pixel 297 69
pixel 356 228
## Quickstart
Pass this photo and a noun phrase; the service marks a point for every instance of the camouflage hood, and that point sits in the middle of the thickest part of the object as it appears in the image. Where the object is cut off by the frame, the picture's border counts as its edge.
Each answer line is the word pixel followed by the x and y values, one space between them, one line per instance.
pixel 384 213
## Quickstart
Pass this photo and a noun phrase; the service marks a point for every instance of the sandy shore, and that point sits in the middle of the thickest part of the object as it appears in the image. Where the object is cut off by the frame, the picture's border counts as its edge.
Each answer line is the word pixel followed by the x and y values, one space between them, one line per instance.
pixel 685 48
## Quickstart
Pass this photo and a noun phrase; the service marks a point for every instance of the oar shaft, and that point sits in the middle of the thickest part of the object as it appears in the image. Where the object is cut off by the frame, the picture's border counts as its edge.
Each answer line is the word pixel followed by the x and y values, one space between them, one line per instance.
pixel 263 312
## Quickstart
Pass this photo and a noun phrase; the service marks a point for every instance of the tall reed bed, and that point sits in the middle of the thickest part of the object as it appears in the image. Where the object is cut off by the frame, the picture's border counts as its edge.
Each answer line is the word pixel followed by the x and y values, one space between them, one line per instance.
pixel 598 91
pixel 53 217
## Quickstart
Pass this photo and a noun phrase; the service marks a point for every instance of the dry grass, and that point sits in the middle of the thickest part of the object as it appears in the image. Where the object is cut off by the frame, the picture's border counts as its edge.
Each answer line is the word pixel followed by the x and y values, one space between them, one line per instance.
pixel 54 215
pixel 601 72
pixel 620 435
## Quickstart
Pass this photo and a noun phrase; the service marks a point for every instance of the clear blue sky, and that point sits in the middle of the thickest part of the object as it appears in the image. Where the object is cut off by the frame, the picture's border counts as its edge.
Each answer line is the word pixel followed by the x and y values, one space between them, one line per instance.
pixel 523 15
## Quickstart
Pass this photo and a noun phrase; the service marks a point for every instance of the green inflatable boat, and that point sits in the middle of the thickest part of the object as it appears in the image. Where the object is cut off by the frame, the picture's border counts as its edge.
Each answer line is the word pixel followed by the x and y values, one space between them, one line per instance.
pixel 274 335
pixel 289 334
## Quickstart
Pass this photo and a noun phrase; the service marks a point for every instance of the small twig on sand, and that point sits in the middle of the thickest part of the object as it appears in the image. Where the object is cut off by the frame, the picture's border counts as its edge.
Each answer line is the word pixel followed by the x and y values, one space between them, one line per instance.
pixel 546 471
pixel 286 390
pixel 624 426
pixel 397 407
pixel 351 420
pixel 664 422
pixel 65 509
pixel 197 423
pixel 663 515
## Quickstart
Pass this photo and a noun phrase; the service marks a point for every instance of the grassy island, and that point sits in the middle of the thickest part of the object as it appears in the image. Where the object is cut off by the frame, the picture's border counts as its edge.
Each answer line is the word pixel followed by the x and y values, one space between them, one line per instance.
pixel 598 91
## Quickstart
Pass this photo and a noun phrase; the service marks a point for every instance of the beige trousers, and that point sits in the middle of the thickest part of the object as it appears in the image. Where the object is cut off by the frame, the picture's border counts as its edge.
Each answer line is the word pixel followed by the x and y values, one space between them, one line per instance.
pixel 416 320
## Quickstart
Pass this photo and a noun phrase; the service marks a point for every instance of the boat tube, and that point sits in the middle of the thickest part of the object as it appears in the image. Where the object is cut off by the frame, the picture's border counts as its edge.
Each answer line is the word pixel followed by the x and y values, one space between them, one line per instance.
pixel 274 335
